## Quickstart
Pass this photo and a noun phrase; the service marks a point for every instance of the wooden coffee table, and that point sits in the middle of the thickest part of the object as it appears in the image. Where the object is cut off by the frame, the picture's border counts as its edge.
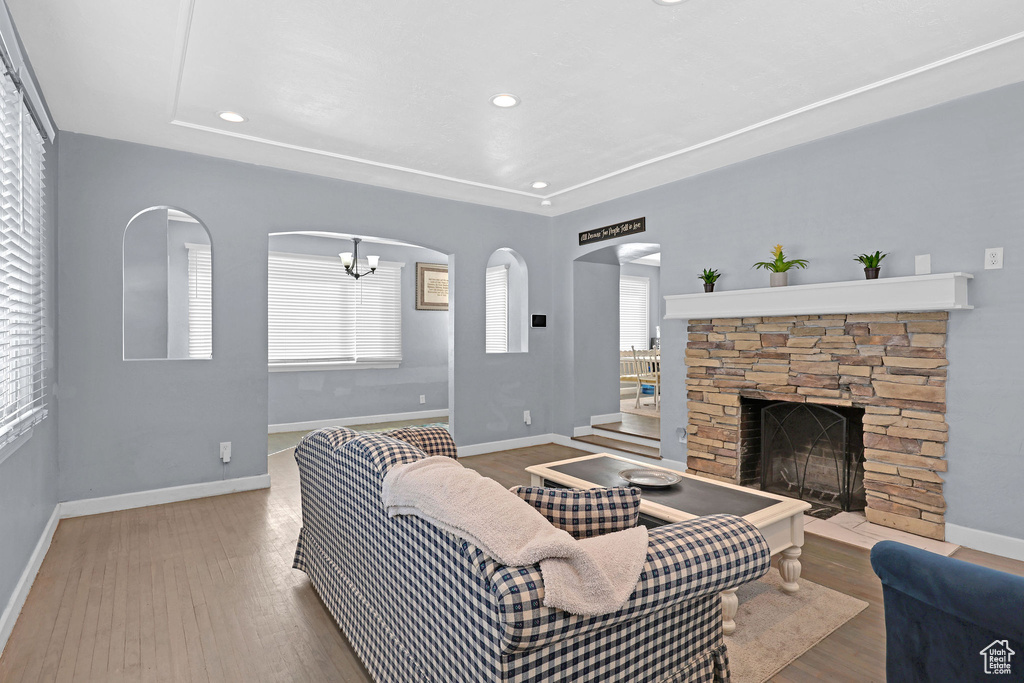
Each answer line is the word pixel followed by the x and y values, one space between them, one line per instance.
pixel 779 519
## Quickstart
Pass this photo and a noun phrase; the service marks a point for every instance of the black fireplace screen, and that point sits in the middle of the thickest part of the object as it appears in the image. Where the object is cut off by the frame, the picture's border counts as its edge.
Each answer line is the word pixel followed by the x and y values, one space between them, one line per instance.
pixel 813 453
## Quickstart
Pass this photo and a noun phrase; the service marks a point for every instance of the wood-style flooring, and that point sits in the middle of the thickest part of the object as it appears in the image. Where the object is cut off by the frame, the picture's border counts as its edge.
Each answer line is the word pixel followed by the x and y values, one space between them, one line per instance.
pixel 203 590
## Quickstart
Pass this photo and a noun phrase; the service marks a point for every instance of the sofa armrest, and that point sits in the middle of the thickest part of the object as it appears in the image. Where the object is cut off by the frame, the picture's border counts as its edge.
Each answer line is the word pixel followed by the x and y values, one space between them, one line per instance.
pixel 685 561
pixel 987 598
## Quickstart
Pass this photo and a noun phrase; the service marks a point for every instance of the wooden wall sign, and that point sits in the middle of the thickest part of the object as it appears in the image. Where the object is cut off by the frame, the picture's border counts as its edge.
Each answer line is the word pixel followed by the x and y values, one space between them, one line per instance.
pixel 612 231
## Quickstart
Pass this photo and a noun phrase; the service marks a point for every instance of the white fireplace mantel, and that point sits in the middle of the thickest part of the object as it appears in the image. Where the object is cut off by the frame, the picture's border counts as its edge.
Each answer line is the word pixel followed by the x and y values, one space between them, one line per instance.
pixel 936 292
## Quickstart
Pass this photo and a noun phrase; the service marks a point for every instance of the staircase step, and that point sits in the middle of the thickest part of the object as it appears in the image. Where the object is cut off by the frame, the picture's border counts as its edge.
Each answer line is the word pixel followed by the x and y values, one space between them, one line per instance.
pixel 649 433
pixel 625 446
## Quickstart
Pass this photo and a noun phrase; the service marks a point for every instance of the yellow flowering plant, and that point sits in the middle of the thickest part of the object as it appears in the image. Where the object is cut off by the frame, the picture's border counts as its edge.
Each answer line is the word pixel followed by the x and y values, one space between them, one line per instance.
pixel 780 264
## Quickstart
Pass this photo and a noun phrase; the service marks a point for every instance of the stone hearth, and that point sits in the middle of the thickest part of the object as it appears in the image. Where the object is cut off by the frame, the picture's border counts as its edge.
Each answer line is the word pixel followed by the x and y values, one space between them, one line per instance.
pixel 893 365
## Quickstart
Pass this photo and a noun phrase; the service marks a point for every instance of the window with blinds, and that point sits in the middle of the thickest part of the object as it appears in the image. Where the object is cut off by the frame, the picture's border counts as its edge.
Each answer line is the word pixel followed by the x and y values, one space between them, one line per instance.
pixel 496 310
pixel 22 268
pixel 200 301
pixel 634 330
pixel 320 315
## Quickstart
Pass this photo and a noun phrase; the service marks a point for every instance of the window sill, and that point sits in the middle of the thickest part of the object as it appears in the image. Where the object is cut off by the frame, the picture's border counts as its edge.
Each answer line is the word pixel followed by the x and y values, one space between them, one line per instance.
pixel 9 449
pixel 321 367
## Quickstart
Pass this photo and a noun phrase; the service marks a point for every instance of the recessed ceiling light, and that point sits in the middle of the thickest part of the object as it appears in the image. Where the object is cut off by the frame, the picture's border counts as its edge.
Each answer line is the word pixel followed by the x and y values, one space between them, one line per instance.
pixel 539 185
pixel 231 116
pixel 504 100
pixel 669 2
pixel 546 202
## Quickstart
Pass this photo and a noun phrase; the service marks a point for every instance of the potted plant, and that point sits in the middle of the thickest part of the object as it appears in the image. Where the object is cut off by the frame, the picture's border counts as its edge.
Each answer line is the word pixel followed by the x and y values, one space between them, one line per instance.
pixel 779 266
pixel 710 277
pixel 872 264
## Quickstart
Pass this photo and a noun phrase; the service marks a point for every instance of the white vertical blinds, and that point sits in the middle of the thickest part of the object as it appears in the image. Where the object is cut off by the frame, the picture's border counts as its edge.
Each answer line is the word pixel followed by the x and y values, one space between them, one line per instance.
pixel 22 268
pixel 319 314
pixel 200 301
pixel 496 310
pixel 634 330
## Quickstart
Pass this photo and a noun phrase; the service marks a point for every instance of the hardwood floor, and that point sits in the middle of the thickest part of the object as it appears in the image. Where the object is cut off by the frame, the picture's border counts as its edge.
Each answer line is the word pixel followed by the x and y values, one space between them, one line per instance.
pixel 203 590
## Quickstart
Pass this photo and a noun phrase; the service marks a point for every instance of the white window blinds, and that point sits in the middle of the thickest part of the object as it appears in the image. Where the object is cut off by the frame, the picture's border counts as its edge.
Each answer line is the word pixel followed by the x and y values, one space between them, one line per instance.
pixel 633 312
pixel 22 268
pixel 200 301
pixel 319 314
pixel 496 310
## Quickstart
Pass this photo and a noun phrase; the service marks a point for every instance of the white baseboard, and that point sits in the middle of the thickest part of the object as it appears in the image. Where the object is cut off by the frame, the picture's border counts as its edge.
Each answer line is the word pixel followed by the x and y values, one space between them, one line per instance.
pixel 605 419
pixel 985 541
pixel 582 431
pixel 347 421
pixel 507 444
pixel 28 577
pixel 173 494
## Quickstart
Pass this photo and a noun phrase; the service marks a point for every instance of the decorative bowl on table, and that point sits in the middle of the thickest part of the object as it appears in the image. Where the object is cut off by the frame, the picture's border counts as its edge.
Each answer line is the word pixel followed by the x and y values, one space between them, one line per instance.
pixel 649 477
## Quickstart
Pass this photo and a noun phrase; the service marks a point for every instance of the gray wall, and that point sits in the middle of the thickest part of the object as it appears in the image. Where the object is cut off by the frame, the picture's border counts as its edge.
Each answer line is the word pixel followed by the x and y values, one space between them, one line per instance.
pixel 655 301
pixel 28 476
pixel 946 181
pixel 595 314
pixel 146 286
pixel 143 425
pixel 324 395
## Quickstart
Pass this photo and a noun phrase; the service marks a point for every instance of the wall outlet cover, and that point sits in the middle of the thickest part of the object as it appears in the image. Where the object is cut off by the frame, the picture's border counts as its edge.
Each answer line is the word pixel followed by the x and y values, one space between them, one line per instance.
pixel 922 264
pixel 993 258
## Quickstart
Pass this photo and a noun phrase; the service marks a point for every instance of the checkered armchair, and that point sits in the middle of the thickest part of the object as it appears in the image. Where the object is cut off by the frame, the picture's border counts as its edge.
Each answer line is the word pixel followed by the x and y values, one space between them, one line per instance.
pixel 420 604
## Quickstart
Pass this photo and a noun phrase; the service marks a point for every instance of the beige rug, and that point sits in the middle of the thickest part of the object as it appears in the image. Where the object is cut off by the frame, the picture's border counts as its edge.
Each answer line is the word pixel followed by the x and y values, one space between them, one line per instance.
pixel 773 629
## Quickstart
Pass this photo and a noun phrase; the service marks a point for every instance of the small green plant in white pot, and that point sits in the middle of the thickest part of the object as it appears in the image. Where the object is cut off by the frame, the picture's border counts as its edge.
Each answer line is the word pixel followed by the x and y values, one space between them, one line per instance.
pixel 779 266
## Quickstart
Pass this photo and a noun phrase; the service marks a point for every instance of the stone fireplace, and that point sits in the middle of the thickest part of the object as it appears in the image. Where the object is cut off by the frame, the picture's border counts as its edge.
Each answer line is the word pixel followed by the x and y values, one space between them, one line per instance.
pixel 890 365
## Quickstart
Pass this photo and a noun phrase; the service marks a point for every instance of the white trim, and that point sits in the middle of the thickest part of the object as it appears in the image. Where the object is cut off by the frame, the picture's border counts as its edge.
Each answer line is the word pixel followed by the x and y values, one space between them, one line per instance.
pixel 28 577
pixel 937 292
pixel 605 419
pixel 582 431
pixel 347 421
pixel 507 444
pixel 340 365
pixel 985 541
pixel 172 494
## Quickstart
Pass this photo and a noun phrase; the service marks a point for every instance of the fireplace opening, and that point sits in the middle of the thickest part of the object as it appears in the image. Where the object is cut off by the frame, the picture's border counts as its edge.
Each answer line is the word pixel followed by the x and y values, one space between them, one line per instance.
pixel 804 450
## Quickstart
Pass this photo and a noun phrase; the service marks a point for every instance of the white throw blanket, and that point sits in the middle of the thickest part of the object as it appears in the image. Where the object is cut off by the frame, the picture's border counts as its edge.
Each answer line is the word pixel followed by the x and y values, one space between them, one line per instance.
pixel 588 577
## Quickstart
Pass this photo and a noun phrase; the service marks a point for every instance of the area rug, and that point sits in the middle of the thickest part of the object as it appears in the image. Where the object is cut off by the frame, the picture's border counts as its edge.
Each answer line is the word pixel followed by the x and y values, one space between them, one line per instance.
pixel 773 629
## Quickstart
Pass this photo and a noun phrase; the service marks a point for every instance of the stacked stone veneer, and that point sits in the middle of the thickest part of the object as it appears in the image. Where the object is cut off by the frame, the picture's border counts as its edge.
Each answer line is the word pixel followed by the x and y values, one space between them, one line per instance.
pixel 891 364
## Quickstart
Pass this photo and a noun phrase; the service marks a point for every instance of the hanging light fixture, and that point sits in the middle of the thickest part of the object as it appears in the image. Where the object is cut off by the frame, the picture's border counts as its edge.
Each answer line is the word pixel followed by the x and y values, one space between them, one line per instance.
pixel 350 259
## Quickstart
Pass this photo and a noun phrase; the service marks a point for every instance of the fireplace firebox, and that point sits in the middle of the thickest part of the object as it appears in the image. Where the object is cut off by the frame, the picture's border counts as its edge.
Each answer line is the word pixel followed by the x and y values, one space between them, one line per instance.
pixel 807 451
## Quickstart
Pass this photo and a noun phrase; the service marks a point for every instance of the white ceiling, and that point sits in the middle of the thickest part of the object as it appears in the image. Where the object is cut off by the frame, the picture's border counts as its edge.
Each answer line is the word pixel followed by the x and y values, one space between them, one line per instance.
pixel 616 95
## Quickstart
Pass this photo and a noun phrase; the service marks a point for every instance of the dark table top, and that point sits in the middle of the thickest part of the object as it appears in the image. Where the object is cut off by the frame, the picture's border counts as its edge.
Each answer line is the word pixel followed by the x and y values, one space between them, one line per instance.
pixel 693 496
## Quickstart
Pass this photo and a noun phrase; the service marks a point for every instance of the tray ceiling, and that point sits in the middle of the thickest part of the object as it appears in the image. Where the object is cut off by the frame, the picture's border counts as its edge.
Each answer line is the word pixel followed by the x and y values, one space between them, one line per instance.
pixel 615 97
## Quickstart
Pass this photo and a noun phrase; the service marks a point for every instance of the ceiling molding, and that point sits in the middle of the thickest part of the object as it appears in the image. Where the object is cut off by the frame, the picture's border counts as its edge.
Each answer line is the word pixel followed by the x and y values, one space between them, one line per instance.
pixel 188 6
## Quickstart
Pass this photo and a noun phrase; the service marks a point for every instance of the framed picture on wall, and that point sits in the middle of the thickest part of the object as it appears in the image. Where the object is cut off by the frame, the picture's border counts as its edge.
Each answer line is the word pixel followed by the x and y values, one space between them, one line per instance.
pixel 431 286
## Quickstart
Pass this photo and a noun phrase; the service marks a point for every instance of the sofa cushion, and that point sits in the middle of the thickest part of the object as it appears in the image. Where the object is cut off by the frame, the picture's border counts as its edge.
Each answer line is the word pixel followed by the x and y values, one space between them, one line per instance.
pixel 431 440
pixel 585 512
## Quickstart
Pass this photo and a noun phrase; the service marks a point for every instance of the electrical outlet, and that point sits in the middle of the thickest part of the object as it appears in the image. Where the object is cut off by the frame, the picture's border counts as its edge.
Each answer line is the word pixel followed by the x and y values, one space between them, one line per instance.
pixel 423 398
pixel 225 451
pixel 993 258
pixel 922 264
pixel 526 417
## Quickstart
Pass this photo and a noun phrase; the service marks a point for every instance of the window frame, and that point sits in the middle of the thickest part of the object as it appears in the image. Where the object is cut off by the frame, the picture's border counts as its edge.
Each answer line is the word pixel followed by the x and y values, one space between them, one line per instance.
pixel 23 259
pixel 352 285
pixel 491 315
pixel 646 311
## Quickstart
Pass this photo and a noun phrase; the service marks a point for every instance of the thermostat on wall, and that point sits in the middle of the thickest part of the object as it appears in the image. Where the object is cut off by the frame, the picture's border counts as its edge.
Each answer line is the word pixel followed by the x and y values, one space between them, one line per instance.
pixel 539 321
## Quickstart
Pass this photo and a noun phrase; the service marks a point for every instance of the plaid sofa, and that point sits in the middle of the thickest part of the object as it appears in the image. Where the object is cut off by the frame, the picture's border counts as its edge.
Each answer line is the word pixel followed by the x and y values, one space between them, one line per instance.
pixel 420 604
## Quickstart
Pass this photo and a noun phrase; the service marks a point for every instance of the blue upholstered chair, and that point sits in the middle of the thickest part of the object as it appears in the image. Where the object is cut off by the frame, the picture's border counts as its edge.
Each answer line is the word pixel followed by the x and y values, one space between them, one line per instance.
pixel 948 620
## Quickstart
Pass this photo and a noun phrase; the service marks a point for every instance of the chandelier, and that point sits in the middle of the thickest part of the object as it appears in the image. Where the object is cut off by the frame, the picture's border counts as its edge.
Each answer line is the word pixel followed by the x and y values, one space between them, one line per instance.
pixel 350 259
